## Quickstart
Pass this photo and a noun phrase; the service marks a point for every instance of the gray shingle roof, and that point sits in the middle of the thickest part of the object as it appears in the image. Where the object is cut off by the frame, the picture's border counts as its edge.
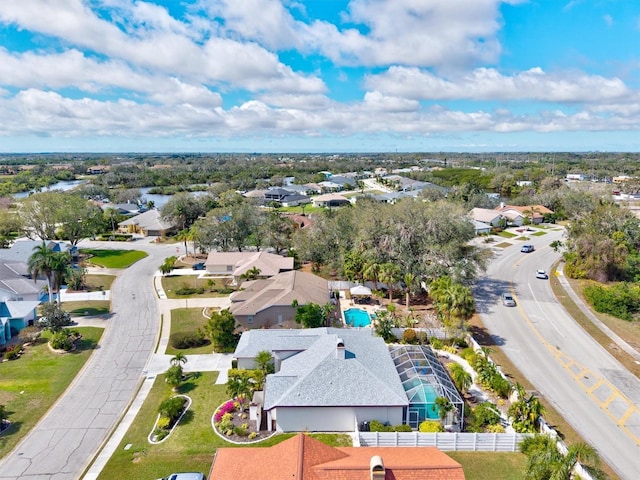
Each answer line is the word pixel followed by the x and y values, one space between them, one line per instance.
pixel 317 377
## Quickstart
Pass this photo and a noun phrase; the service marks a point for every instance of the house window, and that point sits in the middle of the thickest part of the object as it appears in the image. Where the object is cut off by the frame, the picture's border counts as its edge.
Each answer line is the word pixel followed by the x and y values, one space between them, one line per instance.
pixel 250 319
pixel 229 268
pixel 279 319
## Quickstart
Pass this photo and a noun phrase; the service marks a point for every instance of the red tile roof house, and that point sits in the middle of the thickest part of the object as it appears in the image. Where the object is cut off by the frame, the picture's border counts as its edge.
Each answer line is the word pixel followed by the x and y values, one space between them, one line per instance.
pixel 268 302
pixel 305 458
pixel 516 213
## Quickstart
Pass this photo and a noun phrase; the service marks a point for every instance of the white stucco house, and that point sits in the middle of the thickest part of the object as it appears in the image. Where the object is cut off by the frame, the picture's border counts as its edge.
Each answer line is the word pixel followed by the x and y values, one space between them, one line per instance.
pixel 326 380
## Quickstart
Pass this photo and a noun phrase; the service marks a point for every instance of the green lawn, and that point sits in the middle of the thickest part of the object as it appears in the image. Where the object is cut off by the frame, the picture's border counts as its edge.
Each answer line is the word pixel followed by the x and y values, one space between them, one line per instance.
pixel 99 282
pixel 188 320
pixel 113 258
pixel 87 308
pixel 506 234
pixel 172 283
pixel 503 244
pixel 193 443
pixel 490 465
pixel 31 384
pixel 538 234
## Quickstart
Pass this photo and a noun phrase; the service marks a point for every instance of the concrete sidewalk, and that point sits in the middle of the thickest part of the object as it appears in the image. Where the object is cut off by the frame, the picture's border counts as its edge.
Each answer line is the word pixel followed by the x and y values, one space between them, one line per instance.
pixel 158 363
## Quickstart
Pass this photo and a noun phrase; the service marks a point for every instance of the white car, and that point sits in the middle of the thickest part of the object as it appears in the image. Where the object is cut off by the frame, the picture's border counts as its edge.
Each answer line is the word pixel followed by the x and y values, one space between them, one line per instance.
pixel 541 274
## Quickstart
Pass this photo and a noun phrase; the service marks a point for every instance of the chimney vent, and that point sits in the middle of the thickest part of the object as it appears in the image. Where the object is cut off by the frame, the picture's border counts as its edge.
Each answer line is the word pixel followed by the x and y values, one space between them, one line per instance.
pixel 340 350
pixel 376 468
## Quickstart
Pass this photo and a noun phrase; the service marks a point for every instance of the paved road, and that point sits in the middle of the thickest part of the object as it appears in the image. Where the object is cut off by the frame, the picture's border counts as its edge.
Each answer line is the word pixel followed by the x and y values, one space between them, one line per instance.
pixel 63 443
pixel 592 391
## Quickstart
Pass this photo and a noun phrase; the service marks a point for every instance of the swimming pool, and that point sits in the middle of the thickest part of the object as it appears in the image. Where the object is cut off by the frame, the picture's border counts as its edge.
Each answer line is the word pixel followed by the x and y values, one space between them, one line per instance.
pixel 357 317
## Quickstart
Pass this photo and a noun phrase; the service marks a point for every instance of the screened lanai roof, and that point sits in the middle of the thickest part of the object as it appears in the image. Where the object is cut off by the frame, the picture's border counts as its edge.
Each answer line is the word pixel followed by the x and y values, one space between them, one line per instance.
pixel 422 375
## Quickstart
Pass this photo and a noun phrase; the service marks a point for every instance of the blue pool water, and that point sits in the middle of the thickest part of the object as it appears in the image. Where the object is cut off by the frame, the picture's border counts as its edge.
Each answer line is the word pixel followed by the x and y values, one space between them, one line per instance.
pixel 356 317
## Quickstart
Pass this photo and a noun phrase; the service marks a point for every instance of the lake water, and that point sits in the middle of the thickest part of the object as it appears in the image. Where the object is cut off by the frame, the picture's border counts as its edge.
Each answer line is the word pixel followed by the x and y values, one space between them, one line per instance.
pixel 64 186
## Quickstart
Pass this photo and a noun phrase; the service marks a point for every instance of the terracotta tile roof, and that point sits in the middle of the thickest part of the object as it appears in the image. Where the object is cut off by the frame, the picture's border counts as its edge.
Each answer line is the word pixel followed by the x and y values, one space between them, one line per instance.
pixel 305 458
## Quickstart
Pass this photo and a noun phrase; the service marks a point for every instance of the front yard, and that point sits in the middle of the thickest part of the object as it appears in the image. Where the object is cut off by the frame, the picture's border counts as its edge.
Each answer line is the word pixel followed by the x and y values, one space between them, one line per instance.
pixel 111 258
pixel 33 382
pixel 188 320
pixel 193 443
pixel 194 286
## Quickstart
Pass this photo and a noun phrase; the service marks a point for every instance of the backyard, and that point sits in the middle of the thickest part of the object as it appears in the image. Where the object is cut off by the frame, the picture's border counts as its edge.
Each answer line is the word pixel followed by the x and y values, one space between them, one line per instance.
pixel 32 383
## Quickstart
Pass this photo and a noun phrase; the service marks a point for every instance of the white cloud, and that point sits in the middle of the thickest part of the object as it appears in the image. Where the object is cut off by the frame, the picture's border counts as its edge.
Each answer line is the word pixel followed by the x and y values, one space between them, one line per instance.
pixel 153 40
pixel 489 84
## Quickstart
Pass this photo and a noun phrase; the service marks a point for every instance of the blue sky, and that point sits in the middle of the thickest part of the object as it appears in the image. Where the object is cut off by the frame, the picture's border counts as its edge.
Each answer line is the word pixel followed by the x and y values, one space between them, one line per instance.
pixel 319 75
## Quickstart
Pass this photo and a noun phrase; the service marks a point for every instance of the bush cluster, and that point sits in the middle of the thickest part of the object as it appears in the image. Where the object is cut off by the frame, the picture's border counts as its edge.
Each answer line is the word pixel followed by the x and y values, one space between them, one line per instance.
pixel 377 426
pixel 115 237
pixel 63 340
pixel 184 340
pixel 430 426
pixel 490 377
pixel 622 300
pixel 189 290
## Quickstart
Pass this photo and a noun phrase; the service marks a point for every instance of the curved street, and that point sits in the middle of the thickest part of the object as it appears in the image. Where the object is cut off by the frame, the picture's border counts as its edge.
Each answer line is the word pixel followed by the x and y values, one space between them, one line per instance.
pixel 64 442
pixel 589 388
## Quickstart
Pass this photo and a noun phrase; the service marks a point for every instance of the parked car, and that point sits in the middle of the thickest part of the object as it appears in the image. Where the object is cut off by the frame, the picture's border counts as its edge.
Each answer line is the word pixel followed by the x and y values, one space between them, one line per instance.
pixel 185 476
pixel 541 274
pixel 527 248
pixel 198 266
pixel 507 300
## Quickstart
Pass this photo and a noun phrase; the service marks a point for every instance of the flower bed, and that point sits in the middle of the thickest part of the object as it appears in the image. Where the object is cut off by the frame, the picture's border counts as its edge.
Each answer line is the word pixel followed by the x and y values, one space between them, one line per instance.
pixel 231 422
pixel 171 412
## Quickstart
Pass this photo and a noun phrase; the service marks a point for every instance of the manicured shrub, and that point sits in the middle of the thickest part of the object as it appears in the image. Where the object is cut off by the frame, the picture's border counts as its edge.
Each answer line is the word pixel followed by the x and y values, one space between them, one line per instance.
pixel 377 426
pixel 172 407
pixel 160 433
pixel 61 340
pixel 241 432
pixel 409 336
pixel 431 426
pixel 459 342
pixel 497 428
pixel 468 354
pixel 11 354
pixel 225 290
pixel 402 428
pixel 163 422
pixel 253 435
pixel 185 340
pixel 436 343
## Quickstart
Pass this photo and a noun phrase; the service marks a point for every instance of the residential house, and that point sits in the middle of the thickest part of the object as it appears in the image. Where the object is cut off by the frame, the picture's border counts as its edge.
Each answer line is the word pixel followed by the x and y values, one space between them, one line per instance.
pixel 486 215
pixel 481 228
pixel 14 316
pixel 326 380
pixel 22 249
pixel 235 264
pixel 304 458
pixel 330 200
pixel 516 214
pixel 286 198
pixel 15 284
pixel 149 224
pixel 268 302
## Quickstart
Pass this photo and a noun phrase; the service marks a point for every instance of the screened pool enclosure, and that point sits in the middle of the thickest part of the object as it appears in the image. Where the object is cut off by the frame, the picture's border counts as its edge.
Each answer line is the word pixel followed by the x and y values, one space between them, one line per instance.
pixel 424 379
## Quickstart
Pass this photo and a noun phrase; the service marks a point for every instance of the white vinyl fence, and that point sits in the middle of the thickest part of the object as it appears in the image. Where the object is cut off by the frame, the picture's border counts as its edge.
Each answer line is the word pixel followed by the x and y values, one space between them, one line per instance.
pixel 473 442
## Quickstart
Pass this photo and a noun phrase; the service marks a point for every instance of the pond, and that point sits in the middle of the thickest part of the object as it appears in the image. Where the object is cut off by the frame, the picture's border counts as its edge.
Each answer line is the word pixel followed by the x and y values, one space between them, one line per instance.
pixel 64 186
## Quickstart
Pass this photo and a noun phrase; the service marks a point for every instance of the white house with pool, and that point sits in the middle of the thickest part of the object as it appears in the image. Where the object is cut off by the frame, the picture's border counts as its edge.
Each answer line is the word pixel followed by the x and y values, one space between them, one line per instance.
pixel 332 380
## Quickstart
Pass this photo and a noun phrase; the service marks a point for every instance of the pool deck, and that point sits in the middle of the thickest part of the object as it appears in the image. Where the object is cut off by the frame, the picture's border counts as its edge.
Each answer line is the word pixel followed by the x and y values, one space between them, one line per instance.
pixel 346 304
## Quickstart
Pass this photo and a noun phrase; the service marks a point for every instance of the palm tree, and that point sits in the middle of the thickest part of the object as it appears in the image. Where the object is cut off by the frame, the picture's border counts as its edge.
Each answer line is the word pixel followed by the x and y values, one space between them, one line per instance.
pixel 444 406
pixel 389 274
pixel 461 378
pixel 178 359
pixel 546 462
pixel 264 361
pixel 185 236
pixel 525 411
pixel 370 271
pixel 60 270
pixel 41 263
pixel 409 284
